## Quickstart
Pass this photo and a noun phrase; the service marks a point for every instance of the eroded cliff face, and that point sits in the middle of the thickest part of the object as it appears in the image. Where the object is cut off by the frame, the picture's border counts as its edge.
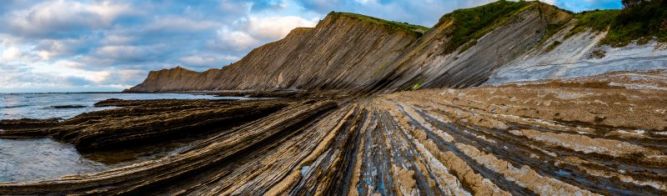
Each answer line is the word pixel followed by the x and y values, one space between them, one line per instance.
pixel 498 43
pixel 437 62
pixel 567 55
pixel 343 51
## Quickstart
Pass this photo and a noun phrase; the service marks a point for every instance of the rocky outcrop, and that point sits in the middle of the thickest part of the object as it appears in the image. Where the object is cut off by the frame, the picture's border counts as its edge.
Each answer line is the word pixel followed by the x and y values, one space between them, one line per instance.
pixel 159 121
pixel 440 60
pixel 591 136
pixel 567 55
pixel 499 43
pixel 343 51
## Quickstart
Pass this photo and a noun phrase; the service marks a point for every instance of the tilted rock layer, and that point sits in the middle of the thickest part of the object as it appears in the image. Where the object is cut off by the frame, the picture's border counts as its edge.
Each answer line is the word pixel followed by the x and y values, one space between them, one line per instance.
pixel 344 51
pixel 603 135
pixel 523 41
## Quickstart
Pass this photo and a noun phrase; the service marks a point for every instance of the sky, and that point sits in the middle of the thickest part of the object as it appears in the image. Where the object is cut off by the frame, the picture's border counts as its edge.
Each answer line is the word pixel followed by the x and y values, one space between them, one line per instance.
pixel 100 45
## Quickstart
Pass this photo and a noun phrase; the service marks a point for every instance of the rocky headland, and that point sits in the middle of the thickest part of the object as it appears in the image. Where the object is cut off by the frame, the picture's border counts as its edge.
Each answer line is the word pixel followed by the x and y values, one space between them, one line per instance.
pixel 510 98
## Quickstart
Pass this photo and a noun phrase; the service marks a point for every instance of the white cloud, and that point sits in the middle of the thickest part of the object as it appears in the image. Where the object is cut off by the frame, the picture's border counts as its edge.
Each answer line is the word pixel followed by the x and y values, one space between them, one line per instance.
pixel 117 39
pixel 171 23
pixel 129 52
pixel 257 30
pixel 58 15
pixel 49 48
pixel 207 60
pixel 11 54
pixel 236 40
pixel 276 27
pixel 552 2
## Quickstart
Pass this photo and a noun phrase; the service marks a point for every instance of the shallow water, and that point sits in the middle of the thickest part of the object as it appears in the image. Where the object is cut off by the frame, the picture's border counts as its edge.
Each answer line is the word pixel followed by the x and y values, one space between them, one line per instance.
pixel 41 159
pixel 67 105
pixel 47 159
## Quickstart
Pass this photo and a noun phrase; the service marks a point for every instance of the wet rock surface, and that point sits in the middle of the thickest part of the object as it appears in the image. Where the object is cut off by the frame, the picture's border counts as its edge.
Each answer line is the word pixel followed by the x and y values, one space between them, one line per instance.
pixel 541 138
pixel 143 121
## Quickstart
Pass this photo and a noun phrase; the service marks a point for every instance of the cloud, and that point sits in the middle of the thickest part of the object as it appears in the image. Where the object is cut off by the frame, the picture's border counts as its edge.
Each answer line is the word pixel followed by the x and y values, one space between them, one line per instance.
pixel 176 23
pixel 276 27
pixel 78 81
pixel 128 52
pixel 234 40
pixel 11 54
pixel 103 44
pixel 63 18
pixel 48 49
pixel 206 60
pixel 258 30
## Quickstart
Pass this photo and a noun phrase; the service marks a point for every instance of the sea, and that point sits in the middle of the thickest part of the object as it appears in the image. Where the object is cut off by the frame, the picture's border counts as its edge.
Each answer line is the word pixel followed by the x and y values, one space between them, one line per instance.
pixel 44 158
pixel 67 105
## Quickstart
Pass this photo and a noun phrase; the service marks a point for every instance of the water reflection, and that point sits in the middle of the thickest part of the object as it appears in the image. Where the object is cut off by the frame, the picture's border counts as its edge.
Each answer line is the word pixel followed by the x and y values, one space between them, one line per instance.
pixel 41 159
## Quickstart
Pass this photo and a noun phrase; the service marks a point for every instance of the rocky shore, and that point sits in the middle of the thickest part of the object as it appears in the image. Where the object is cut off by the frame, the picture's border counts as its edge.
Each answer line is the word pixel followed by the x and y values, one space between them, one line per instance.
pixel 550 137
pixel 510 98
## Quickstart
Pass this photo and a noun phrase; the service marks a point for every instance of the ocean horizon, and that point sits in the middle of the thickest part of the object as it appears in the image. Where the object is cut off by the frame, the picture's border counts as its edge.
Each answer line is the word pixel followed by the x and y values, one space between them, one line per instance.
pixel 63 105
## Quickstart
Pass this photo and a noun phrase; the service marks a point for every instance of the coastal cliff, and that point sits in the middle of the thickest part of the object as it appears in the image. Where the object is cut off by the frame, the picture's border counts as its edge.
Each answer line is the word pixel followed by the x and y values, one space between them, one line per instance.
pixel 497 43
pixel 343 51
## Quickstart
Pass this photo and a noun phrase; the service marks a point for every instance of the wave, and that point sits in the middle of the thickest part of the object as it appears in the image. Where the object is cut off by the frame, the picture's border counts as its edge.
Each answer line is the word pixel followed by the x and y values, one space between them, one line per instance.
pixel 67 106
pixel 14 106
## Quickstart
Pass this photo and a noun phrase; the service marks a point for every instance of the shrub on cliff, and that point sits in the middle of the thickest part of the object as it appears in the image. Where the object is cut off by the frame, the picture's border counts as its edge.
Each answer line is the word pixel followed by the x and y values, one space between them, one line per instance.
pixel 639 20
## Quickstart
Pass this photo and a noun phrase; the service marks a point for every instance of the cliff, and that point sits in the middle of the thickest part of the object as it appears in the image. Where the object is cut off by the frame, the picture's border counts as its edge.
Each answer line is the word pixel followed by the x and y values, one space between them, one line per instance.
pixel 342 51
pixel 492 44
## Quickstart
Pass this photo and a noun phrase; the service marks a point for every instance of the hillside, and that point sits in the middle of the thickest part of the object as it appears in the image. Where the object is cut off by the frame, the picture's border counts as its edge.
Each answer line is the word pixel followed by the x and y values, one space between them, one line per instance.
pixel 498 42
pixel 343 51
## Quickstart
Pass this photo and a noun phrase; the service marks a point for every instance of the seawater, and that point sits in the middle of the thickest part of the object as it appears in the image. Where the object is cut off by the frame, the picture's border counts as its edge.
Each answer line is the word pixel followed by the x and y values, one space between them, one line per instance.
pixel 44 158
pixel 50 105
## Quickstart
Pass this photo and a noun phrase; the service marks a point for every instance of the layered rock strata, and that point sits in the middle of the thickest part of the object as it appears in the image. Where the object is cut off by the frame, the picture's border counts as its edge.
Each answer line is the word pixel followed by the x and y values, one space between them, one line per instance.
pixel 499 43
pixel 543 138
pixel 344 51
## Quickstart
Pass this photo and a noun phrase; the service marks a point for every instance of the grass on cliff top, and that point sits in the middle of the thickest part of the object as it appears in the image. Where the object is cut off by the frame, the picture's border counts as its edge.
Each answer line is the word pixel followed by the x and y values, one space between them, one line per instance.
pixel 473 23
pixel 392 24
pixel 642 22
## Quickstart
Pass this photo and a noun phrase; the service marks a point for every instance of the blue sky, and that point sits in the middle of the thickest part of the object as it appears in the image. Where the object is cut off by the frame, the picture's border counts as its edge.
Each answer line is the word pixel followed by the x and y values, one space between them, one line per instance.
pixel 98 45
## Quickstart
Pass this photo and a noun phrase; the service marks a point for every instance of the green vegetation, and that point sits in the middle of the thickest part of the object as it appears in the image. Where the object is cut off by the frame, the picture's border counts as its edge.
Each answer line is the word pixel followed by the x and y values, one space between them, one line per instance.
pixel 417 86
pixel 473 23
pixel 641 21
pixel 598 20
pixel 392 24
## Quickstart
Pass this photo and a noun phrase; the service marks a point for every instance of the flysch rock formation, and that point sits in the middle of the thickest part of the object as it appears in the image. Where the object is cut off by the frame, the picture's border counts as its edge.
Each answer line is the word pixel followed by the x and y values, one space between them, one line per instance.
pixel 343 51
pixel 521 105
pixel 602 135
pixel 350 52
